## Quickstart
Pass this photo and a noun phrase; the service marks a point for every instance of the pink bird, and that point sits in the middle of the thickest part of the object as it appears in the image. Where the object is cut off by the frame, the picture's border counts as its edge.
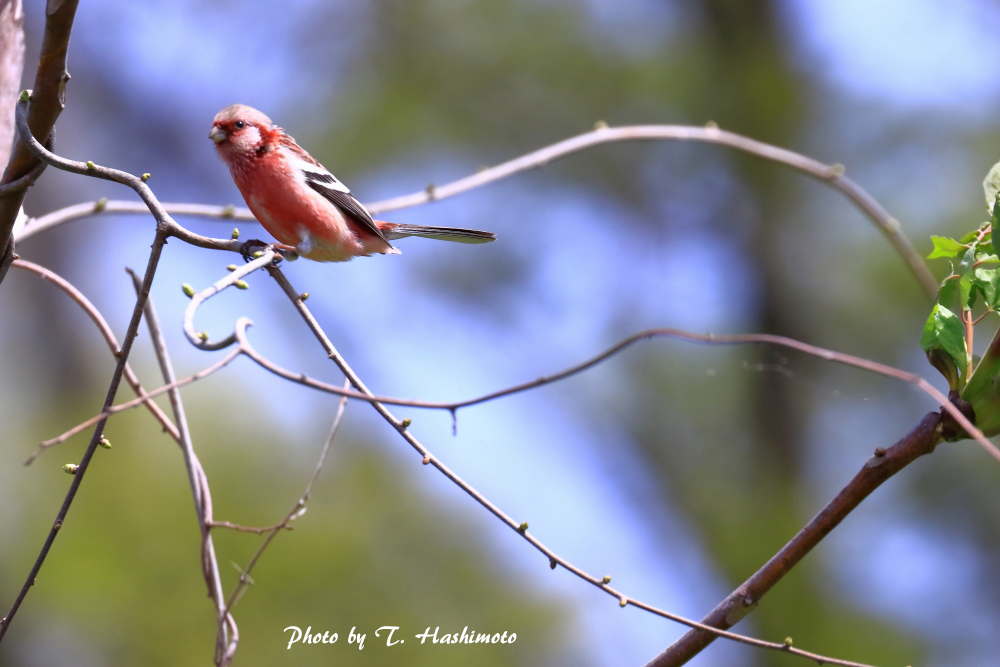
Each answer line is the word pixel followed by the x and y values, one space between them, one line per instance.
pixel 299 202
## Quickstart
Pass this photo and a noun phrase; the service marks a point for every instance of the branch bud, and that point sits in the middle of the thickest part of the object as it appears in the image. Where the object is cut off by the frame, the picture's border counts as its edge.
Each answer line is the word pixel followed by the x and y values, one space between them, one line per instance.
pixel 406 422
pixel 25 96
pixel 104 442
pixel 91 165
pixel 788 642
pixel 523 527
pixel 236 233
pixel 600 125
pixel 145 177
pixel 304 296
pixel 622 601
pixel 100 204
pixel 231 267
pixel 70 468
pixel 229 211
pixel 606 580
pixel 203 336
pixel 241 284
pixel 188 290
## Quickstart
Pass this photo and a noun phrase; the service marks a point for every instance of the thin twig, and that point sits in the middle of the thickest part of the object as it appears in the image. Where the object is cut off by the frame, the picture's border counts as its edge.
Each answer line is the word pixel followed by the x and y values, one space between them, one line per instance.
pixel 297 511
pixel 100 207
pixel 165 227
pixel 521 528
pixel 832 175
pixel 200 340
pixel 109 336
pixel 130 334
pixel 200 491
pixel 147 398
pixel 249 529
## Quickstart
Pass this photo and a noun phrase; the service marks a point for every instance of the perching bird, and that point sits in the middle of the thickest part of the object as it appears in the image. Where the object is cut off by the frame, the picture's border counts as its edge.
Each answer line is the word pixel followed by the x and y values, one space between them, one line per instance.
pixel 299 202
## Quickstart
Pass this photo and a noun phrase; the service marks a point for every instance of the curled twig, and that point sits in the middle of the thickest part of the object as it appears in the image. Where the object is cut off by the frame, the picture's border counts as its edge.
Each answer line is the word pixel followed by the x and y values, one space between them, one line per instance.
pixel 200 340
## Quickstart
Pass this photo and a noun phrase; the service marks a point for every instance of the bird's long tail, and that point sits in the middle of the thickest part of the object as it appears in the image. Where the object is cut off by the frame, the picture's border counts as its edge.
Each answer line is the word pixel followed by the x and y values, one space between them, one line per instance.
pixel 394 231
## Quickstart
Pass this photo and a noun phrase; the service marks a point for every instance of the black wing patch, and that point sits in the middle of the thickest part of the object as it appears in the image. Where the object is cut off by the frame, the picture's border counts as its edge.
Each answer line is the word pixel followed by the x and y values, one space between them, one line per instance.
pixel 345 201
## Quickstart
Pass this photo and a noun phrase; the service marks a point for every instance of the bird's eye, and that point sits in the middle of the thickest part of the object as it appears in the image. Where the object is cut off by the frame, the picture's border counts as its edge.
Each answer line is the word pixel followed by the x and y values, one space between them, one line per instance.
pixel 239 125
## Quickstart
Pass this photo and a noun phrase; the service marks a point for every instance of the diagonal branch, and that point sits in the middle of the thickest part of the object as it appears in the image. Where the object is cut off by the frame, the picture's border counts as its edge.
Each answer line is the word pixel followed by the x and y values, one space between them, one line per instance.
pixel 133 328
pixel 146 399
pixel 227 641
pixel 401 427
pixel 109 336
pixel 297 511
pixel 883 465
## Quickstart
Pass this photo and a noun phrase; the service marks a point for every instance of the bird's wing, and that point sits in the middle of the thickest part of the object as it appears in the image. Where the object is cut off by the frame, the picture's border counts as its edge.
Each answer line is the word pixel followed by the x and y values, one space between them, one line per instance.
pixel 322 181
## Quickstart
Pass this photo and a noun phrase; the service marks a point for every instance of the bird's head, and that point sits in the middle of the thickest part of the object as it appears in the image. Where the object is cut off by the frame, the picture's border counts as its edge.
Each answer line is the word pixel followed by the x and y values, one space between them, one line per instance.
pixel 240 130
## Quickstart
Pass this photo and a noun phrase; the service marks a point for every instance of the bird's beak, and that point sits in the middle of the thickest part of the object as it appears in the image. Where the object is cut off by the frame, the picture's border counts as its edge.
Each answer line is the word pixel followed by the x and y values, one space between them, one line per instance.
pixel 217 134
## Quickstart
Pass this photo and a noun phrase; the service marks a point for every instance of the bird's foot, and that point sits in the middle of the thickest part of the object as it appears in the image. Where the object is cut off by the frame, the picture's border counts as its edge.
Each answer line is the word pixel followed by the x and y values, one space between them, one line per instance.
pixel 251 249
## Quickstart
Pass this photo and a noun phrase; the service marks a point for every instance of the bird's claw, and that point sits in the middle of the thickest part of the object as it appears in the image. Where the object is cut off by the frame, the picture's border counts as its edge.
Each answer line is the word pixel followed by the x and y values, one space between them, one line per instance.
pixel 249 250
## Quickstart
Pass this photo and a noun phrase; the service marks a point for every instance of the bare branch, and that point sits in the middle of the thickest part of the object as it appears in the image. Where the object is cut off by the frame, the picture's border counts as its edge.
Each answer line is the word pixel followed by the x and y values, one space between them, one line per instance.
pixel 137 184
pixel 735 339
pixel 200 340
pixel 833 175
pixel 133 328
pixel 146 398
pixel 297 511
pixel 50 87
pixel 401 427
pixel 165 227
pixel 249 529
pixel 226 645
pixel 883 465
pixel 100 207
pixel 109 336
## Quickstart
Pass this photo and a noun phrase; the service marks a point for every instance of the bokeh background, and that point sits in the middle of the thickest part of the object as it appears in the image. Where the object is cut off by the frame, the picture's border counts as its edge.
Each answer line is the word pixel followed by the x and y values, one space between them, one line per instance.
pixel 677 469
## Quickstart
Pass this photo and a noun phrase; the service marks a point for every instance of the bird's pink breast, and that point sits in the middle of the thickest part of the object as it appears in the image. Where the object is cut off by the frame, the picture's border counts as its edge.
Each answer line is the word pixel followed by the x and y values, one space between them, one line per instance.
pixel 288 208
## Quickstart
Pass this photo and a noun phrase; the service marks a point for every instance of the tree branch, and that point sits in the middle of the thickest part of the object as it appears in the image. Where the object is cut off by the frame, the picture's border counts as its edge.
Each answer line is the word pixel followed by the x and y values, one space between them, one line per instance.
pixel 832 175
pixel 109 337
pixel 133 328
pixel 883 465
pixel 225 645
pixel 50 98
pixel 521 528
pixel 297 511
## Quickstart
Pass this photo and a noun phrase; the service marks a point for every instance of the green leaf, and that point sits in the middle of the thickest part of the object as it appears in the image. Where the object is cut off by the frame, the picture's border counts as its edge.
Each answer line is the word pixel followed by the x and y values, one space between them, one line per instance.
pixel 944 331
pixel 991 185
pixel 987 259
pixel 987 282
pixel 968 259
pixel 945 247
pixel 948 293
pixel 967 295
